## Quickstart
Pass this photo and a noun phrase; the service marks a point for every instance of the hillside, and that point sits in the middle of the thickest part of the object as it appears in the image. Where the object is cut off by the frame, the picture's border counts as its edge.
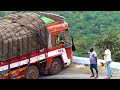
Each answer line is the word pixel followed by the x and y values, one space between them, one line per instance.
pixel 92 29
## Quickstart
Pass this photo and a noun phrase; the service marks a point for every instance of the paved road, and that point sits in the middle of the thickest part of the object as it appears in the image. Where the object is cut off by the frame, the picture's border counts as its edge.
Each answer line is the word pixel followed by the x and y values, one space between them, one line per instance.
pixel 75 71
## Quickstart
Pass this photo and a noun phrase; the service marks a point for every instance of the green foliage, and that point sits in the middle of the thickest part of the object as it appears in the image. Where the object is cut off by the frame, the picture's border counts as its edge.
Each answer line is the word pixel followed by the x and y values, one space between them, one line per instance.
pixel 112 40
pixel 4 13
pixel 91 29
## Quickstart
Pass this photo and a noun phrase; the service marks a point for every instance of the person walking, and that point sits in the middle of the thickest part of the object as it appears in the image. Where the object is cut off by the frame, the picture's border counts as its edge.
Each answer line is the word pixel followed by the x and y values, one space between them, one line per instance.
pixel 93 62
pixel 73 45
pixel 108 60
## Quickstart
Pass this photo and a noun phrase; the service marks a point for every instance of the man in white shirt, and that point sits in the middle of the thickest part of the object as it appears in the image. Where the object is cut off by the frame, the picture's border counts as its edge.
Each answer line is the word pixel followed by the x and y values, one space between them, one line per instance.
pixel 93 61
pixel 107 58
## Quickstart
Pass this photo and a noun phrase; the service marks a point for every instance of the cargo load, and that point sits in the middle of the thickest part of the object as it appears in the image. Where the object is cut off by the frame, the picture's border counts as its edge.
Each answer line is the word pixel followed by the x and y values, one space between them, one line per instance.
pixel 21 34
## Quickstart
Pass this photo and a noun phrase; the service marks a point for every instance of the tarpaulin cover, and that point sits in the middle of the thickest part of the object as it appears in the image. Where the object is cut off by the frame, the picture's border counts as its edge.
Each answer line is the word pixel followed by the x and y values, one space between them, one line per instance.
pixel 22 33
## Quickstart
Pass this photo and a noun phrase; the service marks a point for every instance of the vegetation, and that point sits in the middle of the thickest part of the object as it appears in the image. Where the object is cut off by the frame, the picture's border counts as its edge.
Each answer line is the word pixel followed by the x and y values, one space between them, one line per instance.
pixel 92 29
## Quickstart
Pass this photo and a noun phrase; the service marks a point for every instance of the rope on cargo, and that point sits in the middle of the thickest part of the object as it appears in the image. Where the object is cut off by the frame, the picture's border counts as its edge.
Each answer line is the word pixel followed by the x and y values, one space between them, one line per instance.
pixel 8 46
pixel 38 39
pixel 12 44
pixel 37 48
pixel 33 26
pixel 38 33
pixel 28 53
pixel 1 47
pixel 18 45
pixel 2 29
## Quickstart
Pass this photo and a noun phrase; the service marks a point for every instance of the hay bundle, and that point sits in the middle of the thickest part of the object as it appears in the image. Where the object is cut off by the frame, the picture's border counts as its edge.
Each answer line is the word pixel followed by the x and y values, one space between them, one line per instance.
pixel 21 34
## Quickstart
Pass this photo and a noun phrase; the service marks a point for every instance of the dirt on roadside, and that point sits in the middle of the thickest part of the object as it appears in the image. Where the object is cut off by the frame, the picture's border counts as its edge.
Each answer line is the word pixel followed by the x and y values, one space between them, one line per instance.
pixel 77 71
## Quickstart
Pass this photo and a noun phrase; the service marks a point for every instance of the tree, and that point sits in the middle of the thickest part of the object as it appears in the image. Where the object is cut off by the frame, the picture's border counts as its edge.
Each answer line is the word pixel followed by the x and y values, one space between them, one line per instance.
pixel 112 40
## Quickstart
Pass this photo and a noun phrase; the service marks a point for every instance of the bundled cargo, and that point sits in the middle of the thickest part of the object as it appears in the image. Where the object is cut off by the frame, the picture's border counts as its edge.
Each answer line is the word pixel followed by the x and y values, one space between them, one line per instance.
pixel 21 34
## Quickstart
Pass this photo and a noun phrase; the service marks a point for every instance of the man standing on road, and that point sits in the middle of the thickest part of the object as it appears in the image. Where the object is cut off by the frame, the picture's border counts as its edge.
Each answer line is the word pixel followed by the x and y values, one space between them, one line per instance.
pixel 108 60
pixel 93 61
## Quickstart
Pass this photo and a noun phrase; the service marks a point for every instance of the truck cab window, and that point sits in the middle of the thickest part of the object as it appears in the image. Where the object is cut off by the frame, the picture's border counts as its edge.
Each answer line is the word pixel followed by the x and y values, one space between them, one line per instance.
pixel 68 40
pixel 61 38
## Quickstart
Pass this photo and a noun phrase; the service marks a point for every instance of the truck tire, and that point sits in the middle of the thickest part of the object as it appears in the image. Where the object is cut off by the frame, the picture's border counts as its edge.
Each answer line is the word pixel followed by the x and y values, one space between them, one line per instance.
pixel 32 72
pixel 55 66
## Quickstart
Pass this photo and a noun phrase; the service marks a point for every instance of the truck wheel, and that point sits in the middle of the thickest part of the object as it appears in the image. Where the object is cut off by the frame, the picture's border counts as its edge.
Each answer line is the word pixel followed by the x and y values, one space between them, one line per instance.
pixel 55 66
pixel 32 72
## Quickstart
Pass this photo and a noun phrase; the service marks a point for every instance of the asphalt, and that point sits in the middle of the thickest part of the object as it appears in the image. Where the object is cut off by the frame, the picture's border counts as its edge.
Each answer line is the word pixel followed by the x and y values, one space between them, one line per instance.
pixel 75 71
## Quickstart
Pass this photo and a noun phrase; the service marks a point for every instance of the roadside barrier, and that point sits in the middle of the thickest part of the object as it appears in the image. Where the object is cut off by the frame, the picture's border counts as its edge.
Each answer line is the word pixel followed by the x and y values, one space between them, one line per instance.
pixel 85 61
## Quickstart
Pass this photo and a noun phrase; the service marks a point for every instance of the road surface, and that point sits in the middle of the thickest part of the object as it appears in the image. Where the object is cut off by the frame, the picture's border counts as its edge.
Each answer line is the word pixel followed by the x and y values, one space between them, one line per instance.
pixel 75 71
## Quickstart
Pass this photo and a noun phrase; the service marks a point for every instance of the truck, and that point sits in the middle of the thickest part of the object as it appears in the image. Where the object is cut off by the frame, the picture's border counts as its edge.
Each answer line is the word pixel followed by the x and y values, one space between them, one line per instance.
pixel 34 43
